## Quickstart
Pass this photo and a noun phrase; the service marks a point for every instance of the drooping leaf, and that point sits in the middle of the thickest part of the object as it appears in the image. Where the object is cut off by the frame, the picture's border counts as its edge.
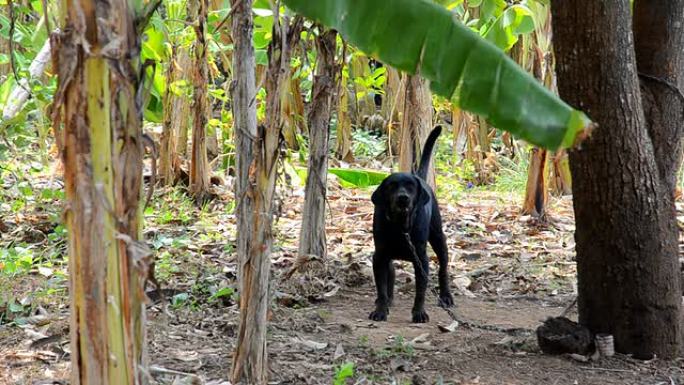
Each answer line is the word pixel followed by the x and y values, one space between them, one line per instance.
pixel 358 178
pixel 351 178
pixel 420 36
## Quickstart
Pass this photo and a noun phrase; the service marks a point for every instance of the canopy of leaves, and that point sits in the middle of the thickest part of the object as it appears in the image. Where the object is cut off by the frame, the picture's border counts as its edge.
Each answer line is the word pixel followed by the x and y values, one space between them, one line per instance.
pixel 418 36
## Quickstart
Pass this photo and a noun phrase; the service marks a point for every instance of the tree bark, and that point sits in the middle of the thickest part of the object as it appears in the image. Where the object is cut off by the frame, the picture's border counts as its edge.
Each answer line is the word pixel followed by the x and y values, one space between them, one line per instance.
pixel 626 237
pixel 560 181
pixel 102 153
pixel 312 238
pixel 535 191
pixel 175 112
pixel 249 360
pixel 343 148
pixel 199 165
pixel 258 153
pixel 416 125
pixel 659 47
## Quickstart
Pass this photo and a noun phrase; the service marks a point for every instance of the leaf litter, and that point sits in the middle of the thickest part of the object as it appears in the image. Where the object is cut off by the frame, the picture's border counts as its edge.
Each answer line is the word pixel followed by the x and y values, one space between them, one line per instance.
pixel 506 269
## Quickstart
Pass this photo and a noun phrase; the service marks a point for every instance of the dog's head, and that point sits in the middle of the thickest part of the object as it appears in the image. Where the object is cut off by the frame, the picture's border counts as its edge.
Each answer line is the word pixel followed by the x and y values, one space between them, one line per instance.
pixel 400 194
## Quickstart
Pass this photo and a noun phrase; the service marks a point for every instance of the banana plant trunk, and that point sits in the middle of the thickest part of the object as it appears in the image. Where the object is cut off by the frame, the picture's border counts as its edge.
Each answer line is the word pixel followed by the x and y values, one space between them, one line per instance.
pixel 560 180
pixel 180 114
pixel 312 240
pixel 199 165
pixel 416 125
pixel 176 108
pixel 343 147
pixel 96 58
pixel 536 191
pixel 258 153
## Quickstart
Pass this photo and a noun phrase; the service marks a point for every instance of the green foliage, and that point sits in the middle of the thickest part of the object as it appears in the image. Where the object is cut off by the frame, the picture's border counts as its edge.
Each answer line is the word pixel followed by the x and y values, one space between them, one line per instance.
pixel 512 176
pixel 224 292
pixel 366 145
pixel 513 21
pixel 358 178
pixel 460 64
pixel 374 82
pixel 343 372
pixel 399 348
pixel 352 178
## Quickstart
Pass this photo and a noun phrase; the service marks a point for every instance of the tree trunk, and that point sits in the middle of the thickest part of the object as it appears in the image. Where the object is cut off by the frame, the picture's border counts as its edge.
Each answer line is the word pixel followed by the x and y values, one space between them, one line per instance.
pixel 560 181
pixel 416 125
pixel 175 112
pixel 363 101
pixel 256 184
pixel 249 360
pixel 627 255
pixel 181 112
pixel 199 165
pixel 392 96
pixel 103 182
pixel 343 148
pixel 535 191
pixel 312 236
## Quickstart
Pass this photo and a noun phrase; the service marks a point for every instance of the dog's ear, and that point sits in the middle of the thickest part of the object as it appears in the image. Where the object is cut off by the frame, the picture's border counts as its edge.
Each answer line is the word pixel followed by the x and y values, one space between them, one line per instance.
pixel 423 192
pixel 379 195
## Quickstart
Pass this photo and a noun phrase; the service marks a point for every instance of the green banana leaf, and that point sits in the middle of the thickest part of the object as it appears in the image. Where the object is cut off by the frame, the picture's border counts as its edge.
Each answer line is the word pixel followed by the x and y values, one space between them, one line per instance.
pixel 419 36
pixel 351 178
pixel 357 177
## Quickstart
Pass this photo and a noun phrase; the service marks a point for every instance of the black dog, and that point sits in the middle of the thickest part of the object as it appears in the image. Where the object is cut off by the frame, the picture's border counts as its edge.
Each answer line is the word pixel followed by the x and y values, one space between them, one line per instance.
pixel 406 218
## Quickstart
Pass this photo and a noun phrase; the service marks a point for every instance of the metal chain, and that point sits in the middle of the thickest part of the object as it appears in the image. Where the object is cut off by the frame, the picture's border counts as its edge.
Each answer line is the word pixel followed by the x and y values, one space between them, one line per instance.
pixel 472 325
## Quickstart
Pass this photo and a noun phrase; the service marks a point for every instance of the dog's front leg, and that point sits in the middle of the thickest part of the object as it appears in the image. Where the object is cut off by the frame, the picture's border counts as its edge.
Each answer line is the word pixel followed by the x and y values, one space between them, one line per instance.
pixel 381 272
pixel 421 268
pixel 439 245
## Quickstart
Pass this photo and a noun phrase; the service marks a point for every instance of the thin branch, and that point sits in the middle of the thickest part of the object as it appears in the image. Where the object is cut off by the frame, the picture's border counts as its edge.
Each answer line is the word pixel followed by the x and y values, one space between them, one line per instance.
pixel 13 64
pixel 149 10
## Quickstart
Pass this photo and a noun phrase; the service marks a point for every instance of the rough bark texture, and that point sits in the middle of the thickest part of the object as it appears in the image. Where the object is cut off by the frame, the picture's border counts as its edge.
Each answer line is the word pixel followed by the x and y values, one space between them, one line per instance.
pixel 627 257
pixel 256 190
pixel 175 114
pixel 249 359
pixel 391 98
pixel 416 125
pixel 659 46
pixel 535 191
pixel 96 101
pixel 560 181
pixel 343 141
pixel 199 165
pixel 312 238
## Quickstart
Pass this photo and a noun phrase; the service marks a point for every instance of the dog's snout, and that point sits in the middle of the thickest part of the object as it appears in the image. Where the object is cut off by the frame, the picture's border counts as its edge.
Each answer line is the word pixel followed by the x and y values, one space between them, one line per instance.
pixel 403 200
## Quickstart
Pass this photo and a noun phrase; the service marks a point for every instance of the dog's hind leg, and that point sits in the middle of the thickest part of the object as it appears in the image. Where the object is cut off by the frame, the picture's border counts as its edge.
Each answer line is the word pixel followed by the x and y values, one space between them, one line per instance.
pixel 381 273
pixel 439 245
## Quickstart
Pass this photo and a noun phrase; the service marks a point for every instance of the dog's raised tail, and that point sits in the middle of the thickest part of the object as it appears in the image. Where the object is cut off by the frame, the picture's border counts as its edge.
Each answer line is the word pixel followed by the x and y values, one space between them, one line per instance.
pixel 427 152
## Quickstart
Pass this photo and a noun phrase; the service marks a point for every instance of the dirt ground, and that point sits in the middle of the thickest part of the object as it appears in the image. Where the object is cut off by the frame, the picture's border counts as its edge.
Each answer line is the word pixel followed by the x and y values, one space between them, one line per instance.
pixel 507 272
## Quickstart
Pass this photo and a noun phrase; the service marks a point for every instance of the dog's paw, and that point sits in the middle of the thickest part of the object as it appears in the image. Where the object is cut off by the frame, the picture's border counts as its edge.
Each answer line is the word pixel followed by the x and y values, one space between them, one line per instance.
pixel 420 317
pixel 378 315
pixel 445 300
